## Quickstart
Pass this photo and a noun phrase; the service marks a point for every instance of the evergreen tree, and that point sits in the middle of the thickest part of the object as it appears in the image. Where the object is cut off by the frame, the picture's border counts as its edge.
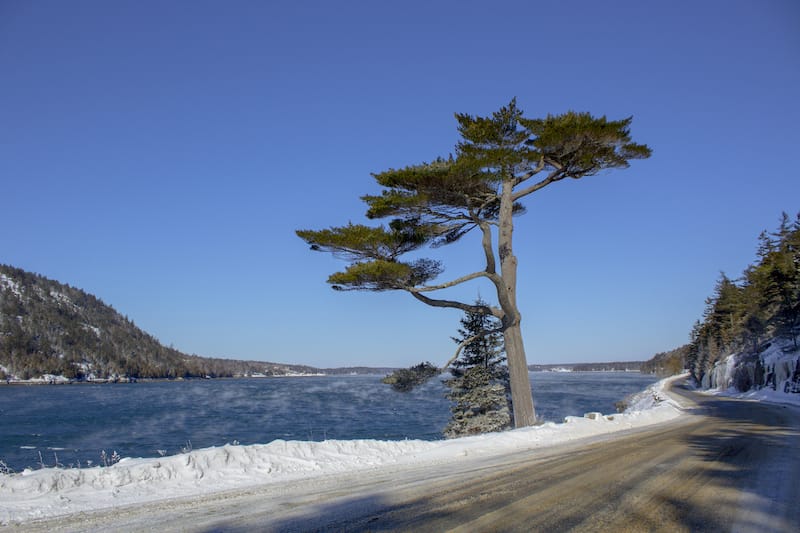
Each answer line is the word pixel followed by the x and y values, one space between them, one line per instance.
pixel 784 273
pixel 724 312
pixel 500 160
pixel 483 345
pixel 405 379
pixel 480 387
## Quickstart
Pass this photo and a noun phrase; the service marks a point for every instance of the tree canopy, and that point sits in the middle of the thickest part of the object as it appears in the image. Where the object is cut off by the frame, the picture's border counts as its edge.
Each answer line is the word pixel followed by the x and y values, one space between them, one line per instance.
pixel 499 160
pixel 437 203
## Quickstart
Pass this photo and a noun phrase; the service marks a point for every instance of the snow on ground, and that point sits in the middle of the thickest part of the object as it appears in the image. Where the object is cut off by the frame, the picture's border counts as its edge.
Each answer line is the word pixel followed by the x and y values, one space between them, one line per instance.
pixel 653 396
pixel 50 492
pixel 762 395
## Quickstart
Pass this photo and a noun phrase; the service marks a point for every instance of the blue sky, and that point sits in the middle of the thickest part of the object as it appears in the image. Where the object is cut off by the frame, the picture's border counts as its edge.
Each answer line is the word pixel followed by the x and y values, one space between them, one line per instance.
pixel 161 154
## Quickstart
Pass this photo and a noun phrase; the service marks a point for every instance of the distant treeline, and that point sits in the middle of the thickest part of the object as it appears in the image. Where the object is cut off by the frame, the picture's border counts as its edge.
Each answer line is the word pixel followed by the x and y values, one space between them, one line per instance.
pixel 667 363
pixel 621 366
pixel 361 370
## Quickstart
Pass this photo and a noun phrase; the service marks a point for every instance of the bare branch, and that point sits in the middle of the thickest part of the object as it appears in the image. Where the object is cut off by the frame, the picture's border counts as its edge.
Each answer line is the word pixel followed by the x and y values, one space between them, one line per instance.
pixel 479 309
pixel 531 173
pixel 554 176
pixel 468 340
pixel 453 283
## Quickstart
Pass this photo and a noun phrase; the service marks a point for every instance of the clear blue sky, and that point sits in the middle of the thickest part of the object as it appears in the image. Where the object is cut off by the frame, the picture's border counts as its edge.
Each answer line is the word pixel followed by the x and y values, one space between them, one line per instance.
pixel 161 154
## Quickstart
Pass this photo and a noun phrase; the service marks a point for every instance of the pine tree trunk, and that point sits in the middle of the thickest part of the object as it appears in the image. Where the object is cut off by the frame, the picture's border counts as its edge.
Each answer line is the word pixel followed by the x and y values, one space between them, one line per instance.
pixel 521 394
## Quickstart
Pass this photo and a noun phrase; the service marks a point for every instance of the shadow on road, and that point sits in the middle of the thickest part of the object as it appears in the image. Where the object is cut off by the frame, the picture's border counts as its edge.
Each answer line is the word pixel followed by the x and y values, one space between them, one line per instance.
pixel 754 450
pixel 369 513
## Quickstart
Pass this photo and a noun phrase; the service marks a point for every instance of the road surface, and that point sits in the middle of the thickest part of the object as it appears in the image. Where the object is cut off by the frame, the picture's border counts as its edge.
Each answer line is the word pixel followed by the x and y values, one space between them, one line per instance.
pixel 730 466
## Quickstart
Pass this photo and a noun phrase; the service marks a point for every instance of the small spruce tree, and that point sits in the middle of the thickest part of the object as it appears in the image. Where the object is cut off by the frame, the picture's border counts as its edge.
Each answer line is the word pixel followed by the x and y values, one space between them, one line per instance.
pixel 479 388
pixel 405 379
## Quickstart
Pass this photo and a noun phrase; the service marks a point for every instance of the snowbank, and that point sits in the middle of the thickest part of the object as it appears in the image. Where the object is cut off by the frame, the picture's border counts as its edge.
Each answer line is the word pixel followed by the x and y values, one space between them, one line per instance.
pixel 653 396
pixel 56 491
pixel 761 395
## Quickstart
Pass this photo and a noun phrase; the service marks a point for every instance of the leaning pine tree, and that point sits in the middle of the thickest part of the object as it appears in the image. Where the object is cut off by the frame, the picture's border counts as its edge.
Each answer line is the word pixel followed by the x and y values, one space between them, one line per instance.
pixel 500 160
pixel 479 387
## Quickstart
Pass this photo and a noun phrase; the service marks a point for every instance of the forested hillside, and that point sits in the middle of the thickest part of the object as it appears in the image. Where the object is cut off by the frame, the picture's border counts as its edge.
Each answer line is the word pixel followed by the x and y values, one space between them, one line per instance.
pixel 47 327
pixel 755 318
pixel 667 363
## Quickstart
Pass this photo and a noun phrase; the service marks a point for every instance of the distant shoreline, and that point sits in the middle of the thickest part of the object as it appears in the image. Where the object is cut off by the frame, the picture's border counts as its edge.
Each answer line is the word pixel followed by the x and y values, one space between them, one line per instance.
pixel 614 366
pixel 126 381
pixel 573 368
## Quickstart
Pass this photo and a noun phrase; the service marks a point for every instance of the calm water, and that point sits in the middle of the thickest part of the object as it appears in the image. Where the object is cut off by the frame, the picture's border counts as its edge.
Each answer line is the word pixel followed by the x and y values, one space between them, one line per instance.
pixel 75 422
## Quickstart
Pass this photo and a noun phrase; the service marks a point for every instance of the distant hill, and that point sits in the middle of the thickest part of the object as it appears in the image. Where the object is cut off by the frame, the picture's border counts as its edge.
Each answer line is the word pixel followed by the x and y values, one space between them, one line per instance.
pixel 620 366
pixel 667 363
pixel 49 328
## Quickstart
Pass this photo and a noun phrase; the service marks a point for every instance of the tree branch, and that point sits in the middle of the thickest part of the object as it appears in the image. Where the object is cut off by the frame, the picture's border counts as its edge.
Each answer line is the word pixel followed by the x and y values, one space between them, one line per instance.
pixel 479 309
pixel 486 241
pixel 554 176
pixel 453 283
pixel 466 341
pixel 531 173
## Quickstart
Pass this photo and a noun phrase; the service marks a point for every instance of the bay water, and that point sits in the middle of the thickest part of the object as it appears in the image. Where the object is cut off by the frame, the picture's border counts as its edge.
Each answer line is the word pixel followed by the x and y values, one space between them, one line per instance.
pixel 79 425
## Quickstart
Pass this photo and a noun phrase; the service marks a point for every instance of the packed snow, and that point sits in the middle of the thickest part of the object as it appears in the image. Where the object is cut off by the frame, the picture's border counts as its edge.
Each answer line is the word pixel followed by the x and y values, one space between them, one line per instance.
pixel 761 395
pixel 51 492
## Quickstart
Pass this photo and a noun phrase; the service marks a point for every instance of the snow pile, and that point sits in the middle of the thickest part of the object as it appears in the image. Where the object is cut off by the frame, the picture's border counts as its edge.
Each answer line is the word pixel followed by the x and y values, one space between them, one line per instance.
pixel 44 378
pixel 652 396
pixel 53 491
pixel 56 491
pixel 762 395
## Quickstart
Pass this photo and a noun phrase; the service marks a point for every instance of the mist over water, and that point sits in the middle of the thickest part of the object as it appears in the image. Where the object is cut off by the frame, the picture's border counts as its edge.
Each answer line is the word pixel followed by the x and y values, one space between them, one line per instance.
pixel 75 422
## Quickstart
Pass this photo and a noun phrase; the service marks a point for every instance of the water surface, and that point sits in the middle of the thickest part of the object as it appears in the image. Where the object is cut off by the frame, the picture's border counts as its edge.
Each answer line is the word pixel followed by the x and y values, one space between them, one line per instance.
pixel 74 423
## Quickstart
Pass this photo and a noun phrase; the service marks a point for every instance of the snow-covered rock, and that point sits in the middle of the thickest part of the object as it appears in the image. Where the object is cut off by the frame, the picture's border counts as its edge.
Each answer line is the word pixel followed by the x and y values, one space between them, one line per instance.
pixel 776 368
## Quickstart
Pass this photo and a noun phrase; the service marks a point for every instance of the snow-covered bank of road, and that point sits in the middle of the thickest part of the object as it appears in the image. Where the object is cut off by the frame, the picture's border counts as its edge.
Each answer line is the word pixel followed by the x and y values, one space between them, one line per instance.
pixel 47 493
pixel 759 395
